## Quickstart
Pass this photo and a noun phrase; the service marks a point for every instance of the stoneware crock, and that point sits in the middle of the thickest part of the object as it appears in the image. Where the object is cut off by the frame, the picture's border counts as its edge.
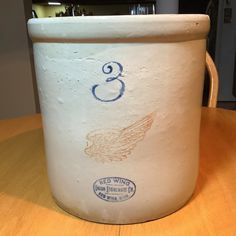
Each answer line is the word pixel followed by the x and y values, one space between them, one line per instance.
pixel 121 102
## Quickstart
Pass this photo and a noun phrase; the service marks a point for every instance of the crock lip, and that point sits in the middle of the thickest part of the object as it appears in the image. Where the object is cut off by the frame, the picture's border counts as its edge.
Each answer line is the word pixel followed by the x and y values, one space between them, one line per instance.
pixel 162 27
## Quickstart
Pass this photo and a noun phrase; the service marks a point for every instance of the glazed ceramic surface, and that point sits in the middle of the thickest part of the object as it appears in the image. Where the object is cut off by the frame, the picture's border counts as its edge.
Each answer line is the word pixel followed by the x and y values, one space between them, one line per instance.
pixel 121 102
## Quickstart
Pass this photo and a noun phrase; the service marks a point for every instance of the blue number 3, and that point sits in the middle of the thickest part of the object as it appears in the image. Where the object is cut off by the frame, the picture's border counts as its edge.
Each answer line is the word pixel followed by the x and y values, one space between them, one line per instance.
pixel 108 69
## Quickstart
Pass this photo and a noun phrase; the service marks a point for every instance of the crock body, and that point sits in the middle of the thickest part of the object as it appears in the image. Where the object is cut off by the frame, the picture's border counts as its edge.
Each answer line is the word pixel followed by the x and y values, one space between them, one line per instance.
pixel 121 104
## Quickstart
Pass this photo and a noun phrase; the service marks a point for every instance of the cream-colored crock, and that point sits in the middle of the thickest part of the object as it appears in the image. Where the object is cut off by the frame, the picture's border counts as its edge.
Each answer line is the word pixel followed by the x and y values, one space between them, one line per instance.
pixel 121 103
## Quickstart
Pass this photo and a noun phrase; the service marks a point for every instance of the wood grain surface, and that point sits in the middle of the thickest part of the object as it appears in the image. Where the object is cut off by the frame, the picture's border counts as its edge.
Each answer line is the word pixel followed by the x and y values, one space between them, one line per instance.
pixel 27 208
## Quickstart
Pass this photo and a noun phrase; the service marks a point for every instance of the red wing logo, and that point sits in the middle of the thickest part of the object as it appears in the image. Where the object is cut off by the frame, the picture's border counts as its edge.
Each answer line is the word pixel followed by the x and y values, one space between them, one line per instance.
pixel 116 145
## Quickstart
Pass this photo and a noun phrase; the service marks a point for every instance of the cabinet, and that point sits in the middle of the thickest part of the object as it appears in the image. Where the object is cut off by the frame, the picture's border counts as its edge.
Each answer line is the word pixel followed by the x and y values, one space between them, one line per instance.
pixel 17 97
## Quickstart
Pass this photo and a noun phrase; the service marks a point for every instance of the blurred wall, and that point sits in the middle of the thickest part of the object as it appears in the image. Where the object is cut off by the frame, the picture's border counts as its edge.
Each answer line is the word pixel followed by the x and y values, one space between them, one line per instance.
pixel 16 83
pixel 50 11
pixel 46 11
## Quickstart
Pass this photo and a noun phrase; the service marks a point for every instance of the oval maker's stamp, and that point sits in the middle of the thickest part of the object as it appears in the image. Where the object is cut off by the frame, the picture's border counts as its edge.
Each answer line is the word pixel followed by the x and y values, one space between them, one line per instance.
pixel 114 189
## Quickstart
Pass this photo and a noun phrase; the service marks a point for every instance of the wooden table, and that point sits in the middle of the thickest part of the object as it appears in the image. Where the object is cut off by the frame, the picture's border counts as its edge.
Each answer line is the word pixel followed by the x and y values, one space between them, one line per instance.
pixel 26 206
